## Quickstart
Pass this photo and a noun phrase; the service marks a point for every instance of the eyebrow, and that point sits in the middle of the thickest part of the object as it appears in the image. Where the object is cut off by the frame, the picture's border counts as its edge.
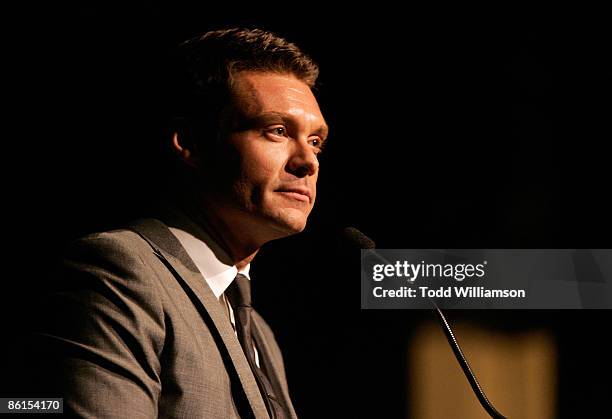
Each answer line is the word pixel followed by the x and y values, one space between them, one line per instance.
pixel 321 130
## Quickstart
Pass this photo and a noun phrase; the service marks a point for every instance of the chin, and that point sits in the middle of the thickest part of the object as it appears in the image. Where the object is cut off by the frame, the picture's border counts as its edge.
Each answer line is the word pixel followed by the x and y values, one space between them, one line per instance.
pixel 289 222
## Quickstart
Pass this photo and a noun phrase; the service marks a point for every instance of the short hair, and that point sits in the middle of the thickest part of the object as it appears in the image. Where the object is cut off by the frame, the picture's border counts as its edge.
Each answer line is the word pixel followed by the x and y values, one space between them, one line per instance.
pixel 209 62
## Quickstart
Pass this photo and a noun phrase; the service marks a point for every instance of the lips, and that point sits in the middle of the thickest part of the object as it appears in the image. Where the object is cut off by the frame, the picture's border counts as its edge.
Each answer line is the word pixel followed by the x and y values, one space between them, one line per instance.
pixel 300 194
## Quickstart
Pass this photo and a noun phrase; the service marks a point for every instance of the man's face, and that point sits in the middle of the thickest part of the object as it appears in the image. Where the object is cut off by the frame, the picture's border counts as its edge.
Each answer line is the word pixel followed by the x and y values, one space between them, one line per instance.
pixel 266 175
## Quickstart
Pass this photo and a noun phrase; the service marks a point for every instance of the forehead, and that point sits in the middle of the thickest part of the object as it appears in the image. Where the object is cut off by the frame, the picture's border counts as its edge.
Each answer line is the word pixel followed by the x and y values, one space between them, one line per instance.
pixel 257 92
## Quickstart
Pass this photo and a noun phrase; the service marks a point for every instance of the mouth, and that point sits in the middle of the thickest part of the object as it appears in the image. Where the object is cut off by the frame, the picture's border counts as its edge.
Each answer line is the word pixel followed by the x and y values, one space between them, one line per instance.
pixel 298 194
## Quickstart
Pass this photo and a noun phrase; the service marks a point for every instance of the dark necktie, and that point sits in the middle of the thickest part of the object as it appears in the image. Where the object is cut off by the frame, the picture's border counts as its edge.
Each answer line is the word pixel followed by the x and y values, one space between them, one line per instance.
pixel 239 296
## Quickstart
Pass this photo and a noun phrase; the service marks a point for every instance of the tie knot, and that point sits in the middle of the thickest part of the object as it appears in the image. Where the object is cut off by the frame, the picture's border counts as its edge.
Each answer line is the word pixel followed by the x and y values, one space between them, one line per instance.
pixel 239 292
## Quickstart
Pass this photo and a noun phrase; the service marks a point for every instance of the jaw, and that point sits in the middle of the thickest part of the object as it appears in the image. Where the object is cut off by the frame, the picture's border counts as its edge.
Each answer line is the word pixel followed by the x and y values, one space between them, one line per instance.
pixel 246 226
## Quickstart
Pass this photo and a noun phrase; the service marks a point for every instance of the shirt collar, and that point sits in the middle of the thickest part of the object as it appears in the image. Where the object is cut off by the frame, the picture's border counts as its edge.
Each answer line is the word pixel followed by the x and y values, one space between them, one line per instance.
pixel 218 275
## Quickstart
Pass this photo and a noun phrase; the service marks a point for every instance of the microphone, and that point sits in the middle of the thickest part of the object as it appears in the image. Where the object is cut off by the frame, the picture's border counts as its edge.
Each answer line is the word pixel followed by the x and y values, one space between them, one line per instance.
pixel 358 239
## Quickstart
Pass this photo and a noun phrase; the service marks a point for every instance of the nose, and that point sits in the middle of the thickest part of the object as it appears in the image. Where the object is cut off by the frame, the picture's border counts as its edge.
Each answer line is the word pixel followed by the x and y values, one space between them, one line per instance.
pixel 303 160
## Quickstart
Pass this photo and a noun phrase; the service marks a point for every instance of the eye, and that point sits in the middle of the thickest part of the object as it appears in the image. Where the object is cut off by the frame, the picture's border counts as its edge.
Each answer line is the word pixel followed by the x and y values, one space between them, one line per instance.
pixel 278 130
pixel 318 143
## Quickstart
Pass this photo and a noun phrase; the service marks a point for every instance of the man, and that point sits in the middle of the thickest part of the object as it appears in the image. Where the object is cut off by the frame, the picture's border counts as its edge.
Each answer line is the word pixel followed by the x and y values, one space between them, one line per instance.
pixel 154 320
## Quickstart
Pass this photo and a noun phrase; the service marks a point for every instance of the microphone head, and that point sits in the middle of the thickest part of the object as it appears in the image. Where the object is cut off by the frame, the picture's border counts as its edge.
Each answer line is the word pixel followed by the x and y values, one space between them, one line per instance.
pixel 357 238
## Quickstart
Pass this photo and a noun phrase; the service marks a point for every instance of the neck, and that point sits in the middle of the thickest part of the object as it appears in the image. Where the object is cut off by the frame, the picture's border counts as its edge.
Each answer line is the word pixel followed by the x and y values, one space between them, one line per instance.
pixel 234 239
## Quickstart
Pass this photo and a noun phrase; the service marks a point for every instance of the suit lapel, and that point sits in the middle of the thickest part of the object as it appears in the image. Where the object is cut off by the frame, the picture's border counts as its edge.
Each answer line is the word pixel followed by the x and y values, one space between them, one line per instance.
pixel 169 250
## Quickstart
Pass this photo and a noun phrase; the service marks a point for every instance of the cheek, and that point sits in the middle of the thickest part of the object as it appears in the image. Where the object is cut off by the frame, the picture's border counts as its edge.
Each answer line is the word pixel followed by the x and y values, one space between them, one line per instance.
pixel 263 161
pixel 260 171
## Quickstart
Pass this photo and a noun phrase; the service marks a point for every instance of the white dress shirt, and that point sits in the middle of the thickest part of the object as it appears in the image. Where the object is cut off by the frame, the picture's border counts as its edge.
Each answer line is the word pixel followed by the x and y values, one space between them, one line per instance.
pixel 217 274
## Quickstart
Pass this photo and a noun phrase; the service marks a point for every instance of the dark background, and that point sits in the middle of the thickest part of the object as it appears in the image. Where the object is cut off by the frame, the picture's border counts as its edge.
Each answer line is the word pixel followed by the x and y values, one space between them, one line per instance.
pixel 449 129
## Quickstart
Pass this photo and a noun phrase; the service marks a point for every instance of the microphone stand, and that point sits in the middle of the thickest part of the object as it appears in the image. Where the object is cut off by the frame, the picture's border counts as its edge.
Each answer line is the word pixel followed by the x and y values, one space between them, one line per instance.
pixel 465 366
pixel 364 242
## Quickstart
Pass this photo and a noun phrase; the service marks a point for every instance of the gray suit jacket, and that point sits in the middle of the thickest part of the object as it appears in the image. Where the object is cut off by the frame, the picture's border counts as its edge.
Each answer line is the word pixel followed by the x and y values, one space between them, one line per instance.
pixel 137 333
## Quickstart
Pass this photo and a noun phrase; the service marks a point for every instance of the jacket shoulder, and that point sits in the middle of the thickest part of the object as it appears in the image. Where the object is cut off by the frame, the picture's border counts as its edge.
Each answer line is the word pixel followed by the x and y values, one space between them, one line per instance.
pixel 120 242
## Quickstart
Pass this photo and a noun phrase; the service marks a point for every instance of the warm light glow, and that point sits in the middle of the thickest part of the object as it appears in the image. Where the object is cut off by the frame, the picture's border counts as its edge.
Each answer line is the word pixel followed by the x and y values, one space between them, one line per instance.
pixel 518 372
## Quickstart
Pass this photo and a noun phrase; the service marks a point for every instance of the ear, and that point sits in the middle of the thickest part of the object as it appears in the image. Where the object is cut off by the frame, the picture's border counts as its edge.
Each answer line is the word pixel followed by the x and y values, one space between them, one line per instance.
pixel 186 152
